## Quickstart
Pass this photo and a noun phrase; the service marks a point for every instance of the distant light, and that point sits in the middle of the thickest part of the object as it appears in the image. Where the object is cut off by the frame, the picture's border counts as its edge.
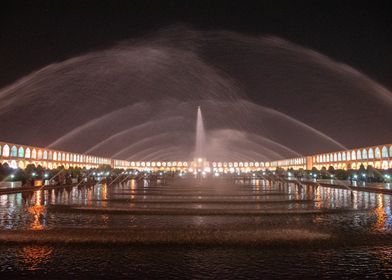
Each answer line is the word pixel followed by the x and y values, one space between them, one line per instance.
pixel 331 175
pixel 315 175
pixel 216 174
pixel 355 176
pixel 204 173
pixel 33 174
pixel 199 159
pixel 46 175
pixel 363 175
pixel 289 174
pixel 253 175
pixel 387 176
pixel 12 176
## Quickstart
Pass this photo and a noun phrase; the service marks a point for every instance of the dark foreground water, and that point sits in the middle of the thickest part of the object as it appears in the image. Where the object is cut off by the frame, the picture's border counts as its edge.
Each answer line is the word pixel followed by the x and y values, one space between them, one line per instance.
pixel 192 229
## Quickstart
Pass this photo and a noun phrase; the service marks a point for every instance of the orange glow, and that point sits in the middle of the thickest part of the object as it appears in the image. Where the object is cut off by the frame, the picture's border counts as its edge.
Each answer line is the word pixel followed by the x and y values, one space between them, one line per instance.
pixel 38 211
pixel 35 256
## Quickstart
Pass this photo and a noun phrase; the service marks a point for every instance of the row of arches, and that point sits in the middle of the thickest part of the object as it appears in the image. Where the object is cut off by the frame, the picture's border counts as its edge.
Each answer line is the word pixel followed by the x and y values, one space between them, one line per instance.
pixel 361 154
pixel 159 164
pixel 378 156
pixel 13 151
pixel 381 164
pixel 45 164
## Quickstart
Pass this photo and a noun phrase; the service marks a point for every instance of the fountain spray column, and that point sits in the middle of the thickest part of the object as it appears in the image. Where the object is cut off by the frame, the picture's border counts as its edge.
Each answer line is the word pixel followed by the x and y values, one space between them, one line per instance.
pixel 200 164
pixel 200 136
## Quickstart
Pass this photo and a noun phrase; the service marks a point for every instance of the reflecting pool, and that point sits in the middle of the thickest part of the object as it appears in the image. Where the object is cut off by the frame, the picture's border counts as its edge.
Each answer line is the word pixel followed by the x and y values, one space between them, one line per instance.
pixel 196 228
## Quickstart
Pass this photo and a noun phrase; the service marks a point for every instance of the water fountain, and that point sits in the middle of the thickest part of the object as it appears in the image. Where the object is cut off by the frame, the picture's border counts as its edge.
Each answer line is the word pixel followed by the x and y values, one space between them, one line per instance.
pixel 200 162
pixel 134 93
pixel 200 136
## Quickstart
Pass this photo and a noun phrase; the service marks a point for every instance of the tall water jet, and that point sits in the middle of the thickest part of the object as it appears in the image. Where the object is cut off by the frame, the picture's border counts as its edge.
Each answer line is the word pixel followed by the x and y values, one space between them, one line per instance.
pixel 200 136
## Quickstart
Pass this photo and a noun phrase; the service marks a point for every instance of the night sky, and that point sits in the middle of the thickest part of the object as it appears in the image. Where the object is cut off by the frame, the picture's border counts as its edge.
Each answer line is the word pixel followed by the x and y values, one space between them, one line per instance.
pixel 260 53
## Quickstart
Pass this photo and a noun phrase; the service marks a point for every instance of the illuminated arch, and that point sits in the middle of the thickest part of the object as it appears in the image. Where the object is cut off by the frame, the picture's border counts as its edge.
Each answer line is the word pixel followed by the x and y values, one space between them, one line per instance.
pixel 335 157
pixel 377 153
pixel 0 150
pixel 370 153
pixel 390 151
pixel 364 154
pixel 13 164
pixel 14 151
pixel 21 152
pixel 45 154
pixel 39 154
pixel 27 153
pixel 6 150
pixel 339 157
pixel 384 152
pixel 55 156
pixel 353 155
pixel 33 153
pixel 50 156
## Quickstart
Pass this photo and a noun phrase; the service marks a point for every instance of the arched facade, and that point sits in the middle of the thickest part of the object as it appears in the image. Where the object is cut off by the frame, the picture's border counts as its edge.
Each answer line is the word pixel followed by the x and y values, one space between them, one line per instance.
pixel 21 155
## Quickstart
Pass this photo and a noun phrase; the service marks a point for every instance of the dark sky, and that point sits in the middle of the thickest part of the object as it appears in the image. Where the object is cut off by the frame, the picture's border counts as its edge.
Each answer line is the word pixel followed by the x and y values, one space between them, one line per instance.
pixel 175 44
pixel 36 33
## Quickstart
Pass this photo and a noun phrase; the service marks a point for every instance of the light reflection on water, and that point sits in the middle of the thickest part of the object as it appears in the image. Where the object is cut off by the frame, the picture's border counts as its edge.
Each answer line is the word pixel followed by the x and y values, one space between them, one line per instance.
pixel 339 212
pixel 33 210
pixel 34 257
